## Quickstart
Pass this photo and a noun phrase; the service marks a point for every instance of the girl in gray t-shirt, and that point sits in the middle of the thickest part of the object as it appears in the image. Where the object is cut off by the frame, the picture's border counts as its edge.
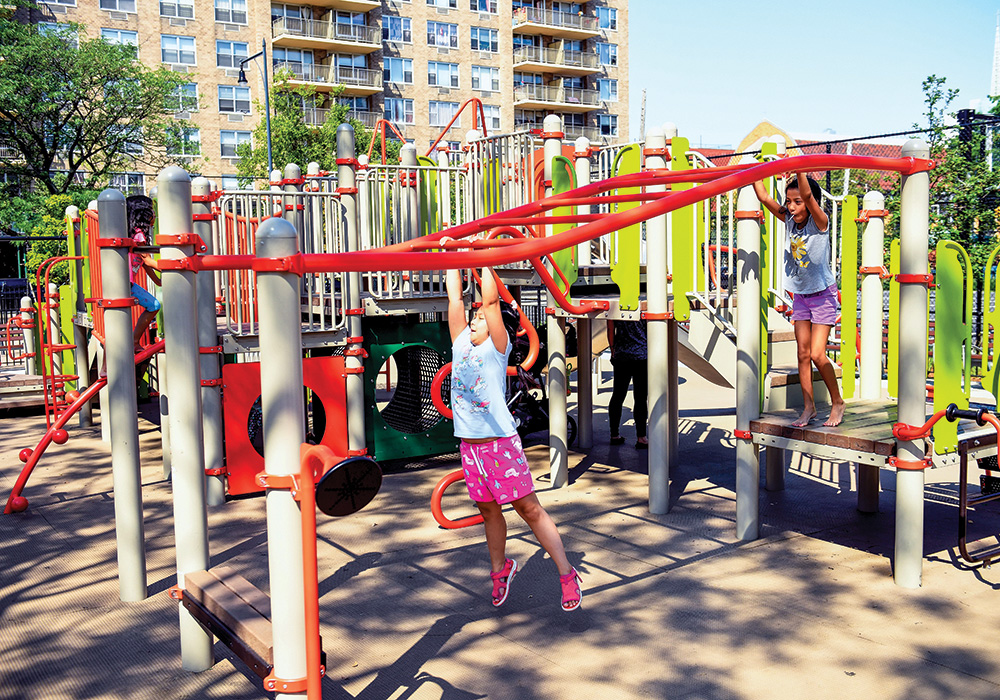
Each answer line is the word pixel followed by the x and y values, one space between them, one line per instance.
pixel 809 278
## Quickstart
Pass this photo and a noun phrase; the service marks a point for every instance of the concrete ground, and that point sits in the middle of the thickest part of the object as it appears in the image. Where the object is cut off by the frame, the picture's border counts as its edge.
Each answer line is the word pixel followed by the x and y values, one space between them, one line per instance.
pixel 674 606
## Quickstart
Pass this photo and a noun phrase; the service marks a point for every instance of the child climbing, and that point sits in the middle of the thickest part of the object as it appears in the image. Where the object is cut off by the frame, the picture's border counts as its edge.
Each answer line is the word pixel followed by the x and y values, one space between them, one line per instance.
pixel 140 214
pixel 496 469
pixel 809 277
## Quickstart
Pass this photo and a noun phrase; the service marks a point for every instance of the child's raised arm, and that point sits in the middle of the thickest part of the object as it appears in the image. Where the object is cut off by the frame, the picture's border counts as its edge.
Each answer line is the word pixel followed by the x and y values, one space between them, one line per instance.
pixel 819 216
pixel 768 201
pixel 491 310
pixel 456 299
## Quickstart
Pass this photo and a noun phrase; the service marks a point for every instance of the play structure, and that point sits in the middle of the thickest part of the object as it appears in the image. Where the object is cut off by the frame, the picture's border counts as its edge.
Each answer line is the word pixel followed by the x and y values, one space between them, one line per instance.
pixel 284 310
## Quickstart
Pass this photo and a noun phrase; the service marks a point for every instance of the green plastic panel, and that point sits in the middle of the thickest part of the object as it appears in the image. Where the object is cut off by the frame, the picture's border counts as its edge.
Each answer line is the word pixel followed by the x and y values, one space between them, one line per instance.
pixel 849 295
pixel 892 351
pixel 952 338
pixel 564 180
pixel 625 242
pixel 67 307
pixel 991 326
pixel 430 220
pixel 682 236
pixel 383 337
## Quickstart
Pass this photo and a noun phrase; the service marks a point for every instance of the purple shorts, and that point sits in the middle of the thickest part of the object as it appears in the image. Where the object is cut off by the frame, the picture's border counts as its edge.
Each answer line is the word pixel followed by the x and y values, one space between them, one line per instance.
pixel 496 471
pixel 819 307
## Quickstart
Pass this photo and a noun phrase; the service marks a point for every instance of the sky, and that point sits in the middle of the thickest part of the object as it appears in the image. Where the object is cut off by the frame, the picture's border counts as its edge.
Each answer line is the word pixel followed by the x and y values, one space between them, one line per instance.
pixel 718 68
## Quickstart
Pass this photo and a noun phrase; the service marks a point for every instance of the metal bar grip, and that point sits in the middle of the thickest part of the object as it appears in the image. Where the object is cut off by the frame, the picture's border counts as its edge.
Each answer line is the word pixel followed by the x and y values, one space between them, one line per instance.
pixel 953 413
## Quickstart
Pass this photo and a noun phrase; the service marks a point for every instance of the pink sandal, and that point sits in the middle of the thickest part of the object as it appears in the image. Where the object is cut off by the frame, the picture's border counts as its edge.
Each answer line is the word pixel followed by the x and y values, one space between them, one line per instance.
pixel 501 581
pixel 572 595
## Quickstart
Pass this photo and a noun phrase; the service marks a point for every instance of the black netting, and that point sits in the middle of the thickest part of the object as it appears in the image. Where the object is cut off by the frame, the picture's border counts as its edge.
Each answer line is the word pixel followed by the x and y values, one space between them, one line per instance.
pixel 411 410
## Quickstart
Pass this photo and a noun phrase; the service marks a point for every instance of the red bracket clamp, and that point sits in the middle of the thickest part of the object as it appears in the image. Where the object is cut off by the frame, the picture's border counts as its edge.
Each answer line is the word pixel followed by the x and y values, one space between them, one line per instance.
pixel 355 312
pixel 865 214
pixel 552 134
pixel 743 434
pixel 353 370
pixel 183 239
pixel 216 471
pixel 915 279
pixel 116 303
pixel 183 264
pixel 550 311
pixel 357 453
pixel 176 592
pixel 210 197
pixel 210 216
pixel 347 161
pixel 356 352
pixel 288 482
pixel 920 165
pixel 584 154
pixel 289 263
pixel 211 382
pixel 346 190
pixel 656 316
pixel 908 465
pixel 274 684
pixel 750 214
pixel 646 152
pixel 882 273
pixel 211 350
pixel 293 181
pixel 115 243
pixel 356 339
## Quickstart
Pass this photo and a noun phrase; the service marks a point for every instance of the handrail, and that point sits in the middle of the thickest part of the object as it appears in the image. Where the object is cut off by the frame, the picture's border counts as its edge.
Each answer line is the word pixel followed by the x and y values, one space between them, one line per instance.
pixel 481 117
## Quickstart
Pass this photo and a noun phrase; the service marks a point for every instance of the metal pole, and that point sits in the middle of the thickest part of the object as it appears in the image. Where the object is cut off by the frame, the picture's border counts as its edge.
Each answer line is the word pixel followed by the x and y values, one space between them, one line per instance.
pixel 122 411
pixel 267 106
pixel 293 196
pixel 208 340
pixel 658 337
pixel 584 326
pixel 28 330
pixel 183 361
pixel 284 425
pixel 355 387
pixel 748 340
pixel 81 356
pixel 913 225
pixel 555 338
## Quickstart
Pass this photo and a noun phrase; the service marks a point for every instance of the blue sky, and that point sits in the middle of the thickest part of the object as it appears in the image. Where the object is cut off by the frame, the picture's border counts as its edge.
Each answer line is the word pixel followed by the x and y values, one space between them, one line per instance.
pixel 716 69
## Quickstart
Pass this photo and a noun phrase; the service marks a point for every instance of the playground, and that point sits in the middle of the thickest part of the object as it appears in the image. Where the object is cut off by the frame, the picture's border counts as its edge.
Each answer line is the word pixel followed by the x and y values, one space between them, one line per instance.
pixel 304 365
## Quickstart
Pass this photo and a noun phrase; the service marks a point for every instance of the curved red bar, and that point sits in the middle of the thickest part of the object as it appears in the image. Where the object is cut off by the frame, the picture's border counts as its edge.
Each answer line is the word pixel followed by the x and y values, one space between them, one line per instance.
pixel 439 515
pixel 436 385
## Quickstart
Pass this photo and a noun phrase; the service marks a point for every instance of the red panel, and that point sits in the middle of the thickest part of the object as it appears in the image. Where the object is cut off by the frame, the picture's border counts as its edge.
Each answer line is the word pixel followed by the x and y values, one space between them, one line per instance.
pixel 241 387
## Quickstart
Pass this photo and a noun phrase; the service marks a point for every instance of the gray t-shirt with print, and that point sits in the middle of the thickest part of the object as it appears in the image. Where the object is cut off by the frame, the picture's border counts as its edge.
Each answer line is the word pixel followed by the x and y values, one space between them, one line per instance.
pixel 807 258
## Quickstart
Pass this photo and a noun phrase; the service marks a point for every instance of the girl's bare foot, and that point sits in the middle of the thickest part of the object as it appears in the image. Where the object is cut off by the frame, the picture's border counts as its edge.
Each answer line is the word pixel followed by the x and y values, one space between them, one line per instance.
pixel 836 414
pixel 806 418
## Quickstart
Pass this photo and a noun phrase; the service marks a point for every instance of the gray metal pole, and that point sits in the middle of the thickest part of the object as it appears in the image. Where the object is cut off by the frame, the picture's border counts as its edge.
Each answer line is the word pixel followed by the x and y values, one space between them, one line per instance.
pixel 81 355
pixel 363 202
pixel 748 368
pixel 584 343
pixel 555 338
pixel 183 361
pixel 408 199
pixel 122 412
pixel 284 426
pixel 28 330
pixel 658 335
pixel 210 352
pixel 444 186
pixel 913 225
pixel 355 386
pixel 292 188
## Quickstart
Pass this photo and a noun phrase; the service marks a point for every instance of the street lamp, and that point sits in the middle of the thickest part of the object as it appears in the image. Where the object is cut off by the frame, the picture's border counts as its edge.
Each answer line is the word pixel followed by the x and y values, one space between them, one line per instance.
pixel 242 80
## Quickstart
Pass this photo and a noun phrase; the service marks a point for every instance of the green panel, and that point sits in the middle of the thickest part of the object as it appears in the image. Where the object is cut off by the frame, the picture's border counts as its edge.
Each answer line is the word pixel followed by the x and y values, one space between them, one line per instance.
pixel 849 295
pixel 952 339
pixel 67 307
pixel 85 246
pixel 991 326
pixel 430 221
pixel 625 242
pixel 892 356
pixel 682 232
pixel 383 337
pixel 702 244
pixel 772 242
pixel 564 180
pixel 493 174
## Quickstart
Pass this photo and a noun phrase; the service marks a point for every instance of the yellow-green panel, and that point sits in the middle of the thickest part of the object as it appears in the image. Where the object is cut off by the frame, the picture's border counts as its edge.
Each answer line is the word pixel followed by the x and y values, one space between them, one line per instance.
pixel 429 218
pixel 892 351
pixel 991 326
pixel 682 233
pixel 564 180
pixel 849 295
pixel 625 242
pixel 952 338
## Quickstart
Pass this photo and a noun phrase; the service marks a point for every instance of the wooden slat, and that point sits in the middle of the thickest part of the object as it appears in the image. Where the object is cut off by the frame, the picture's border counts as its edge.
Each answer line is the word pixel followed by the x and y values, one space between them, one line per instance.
pixel 245 622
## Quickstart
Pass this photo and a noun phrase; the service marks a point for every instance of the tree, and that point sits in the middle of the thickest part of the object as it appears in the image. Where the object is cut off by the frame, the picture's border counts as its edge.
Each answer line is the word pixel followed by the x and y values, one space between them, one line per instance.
pixel 72 106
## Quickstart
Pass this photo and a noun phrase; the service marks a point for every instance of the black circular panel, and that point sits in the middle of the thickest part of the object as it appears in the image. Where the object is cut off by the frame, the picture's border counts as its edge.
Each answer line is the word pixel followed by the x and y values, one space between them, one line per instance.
pixel 349 486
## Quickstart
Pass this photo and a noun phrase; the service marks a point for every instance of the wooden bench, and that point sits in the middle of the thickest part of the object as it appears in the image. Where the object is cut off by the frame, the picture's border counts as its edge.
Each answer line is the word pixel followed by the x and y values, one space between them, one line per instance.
pixel 235 611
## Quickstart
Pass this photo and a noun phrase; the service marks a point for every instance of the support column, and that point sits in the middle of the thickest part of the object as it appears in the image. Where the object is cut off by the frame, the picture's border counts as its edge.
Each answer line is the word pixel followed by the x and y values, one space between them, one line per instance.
pixel 122 416
pixel 28 331
pixel 209 360
pixel 284 425
pixel 748 340
pixel 347 184
pixel 555 337
pixel 870 384
pixel 661 353
pixel 183 361
pixel 913 226
pixel 584 341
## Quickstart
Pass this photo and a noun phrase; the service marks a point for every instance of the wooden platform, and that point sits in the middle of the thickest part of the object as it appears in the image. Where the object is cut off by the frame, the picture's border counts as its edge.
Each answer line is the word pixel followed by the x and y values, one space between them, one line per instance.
pixel 20 390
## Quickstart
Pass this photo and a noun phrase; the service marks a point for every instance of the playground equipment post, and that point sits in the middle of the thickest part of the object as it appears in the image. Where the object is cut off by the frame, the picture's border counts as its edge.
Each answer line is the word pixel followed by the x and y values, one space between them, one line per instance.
pixel 584 344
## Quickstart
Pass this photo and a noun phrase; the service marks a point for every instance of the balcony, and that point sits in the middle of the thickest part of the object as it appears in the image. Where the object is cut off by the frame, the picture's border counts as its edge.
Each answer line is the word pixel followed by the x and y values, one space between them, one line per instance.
pixel 359 82
pixel 9 150
pixel 293 32
pixel 535 59
pixel 572 132
pixel 560 99
pixel 349 5
pixel 317 116
pixel 532 20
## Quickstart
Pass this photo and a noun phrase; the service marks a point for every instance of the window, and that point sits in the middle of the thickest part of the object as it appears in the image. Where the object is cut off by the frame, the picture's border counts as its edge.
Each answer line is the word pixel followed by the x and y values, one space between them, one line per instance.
pixel 118 5
pixel 492 113
pixel 442 113
pixel 453 146
pixel 442 74
pixel 228 54
pixel 486 78
pixel 182 99
pixel 355 104
pixel 397 70
pixel 68 3
pixel 177 49
pixel 183 141
pixel 177 8
pixel 608 54
pixel 608 89
pixel 442 35
pixel 527 79
pixel 128 183
pixel 234 99
pixel 230 140
pixel 396 29
pixel 399 111
pixel 130 139
pixel 230 182
pixel 231 11
pixel 607 18
pixel 443 3
pixel 60 30
pixel 300 61
pixel 573 122
pixel 484 39
pixel 120 36
pixel 608 124
pixel 522 40
pixel 489 6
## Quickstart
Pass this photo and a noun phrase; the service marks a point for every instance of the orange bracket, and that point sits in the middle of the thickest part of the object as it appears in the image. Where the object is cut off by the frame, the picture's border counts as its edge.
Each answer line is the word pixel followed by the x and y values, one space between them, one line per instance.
pixel 353 370
pixel 346 190
pixel 115 243
pixel 211 350
pixel 882 273
pixel 210 197
pixel 347 161
pixel 289 263
pixel 751 214
pixel 289 482
pixel 908 465
pixel 743 434
pixel 211 382
pixel 357 453
pixel 865 214
pixel 280 685
pixel 176 592
pixel 210 216
pixel 646 152
pixel 657 316
pixel 358 352
pixel 216 471
pixel 552 134
pixel 355 312
pixel 293 181
pixel 115 303
pixel 183 239
pixel 915 279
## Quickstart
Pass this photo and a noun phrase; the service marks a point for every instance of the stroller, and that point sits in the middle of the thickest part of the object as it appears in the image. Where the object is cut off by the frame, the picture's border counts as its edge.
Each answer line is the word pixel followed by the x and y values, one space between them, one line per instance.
pixel 528 402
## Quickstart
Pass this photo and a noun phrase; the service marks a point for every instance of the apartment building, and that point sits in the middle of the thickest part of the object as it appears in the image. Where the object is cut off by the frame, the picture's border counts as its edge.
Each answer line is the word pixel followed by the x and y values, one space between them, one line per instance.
pixel 413 62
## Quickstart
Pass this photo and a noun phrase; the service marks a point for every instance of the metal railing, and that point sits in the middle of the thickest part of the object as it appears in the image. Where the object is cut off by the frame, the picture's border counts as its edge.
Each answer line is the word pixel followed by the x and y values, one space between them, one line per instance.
pixel 338 75
pixel 567 20
pixel 551 94
pixel 557 57
pixel 317 116
pixel 325 29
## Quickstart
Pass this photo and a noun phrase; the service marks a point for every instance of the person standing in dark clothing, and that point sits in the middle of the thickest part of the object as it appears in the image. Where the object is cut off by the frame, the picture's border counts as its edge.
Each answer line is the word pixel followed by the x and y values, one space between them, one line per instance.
pixel 628 357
